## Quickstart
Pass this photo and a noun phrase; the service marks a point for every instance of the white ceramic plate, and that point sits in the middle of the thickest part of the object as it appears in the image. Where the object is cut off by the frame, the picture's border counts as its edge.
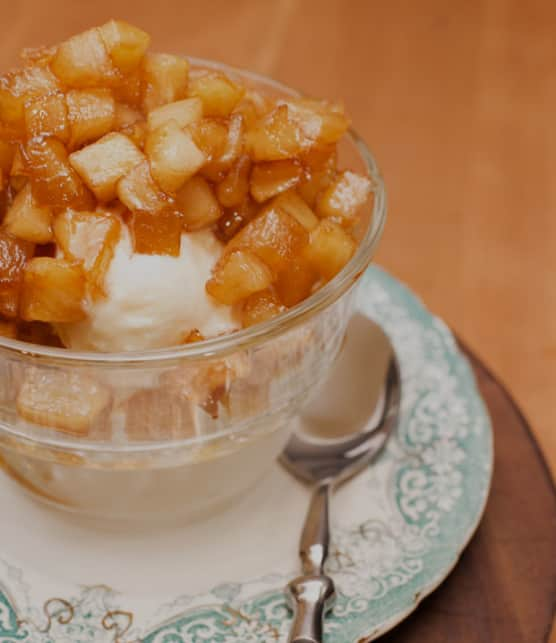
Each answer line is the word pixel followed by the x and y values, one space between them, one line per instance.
pixel 399 527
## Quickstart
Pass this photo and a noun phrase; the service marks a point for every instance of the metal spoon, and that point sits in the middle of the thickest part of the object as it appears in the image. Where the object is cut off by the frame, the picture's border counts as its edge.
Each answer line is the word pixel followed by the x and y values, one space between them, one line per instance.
pixel 363 393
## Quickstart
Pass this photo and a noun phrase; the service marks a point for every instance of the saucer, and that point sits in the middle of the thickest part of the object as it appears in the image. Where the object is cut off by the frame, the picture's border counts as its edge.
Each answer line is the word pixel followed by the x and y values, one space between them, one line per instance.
pixel 398 528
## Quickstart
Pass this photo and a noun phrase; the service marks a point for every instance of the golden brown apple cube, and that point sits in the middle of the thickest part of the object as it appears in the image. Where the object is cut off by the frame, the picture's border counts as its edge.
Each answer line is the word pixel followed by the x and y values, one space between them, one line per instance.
pixel 165 80
pixel 89 237
pixel 344 197
pixel 183 112
pixel 216 169
pixel 126 116
pixel 198 204
pixel 159 414
pixel 27 220
pixel 157 234
pixel 53 291
pixel 53 180
pixel 91 114
pixel 129 89
pixel 173 156
pixel 320 121
pixel 38 333
pixel 8 329
pixel 218 93
pixel 193 337
pixel 14 253
pixel 137 190
pixel 330 247
pixel 260 307
pixel 234 187
pixel 47 116
pixel 237 275
pixel 65 400
pixel 7 153
pixel 124 43
pixel 18 176
pixel 234 219
pixel 319 166
pixel 18 87
pixel 273 177
pixel 210 136
pixel 252 107
pixel 274 236
pixel 276 136
pixel 295 283
pixel 103 163
pixel 82 61
pixel 295 206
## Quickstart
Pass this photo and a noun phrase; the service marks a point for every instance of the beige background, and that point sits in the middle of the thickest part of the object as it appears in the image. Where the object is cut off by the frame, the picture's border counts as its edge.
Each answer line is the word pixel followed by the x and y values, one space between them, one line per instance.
pixel 457 100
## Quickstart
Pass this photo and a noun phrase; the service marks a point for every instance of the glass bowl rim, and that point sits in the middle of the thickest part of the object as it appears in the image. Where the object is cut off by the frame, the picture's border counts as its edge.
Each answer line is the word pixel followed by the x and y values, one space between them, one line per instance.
pixel 223 345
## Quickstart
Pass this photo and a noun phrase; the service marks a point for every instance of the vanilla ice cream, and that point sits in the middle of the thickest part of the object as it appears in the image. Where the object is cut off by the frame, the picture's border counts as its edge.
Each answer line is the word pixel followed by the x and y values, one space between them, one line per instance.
pixel 152 301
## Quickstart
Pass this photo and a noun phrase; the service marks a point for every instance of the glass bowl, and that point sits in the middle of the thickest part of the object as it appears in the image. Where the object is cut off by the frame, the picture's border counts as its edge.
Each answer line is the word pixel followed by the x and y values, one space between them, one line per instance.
pixel 174 433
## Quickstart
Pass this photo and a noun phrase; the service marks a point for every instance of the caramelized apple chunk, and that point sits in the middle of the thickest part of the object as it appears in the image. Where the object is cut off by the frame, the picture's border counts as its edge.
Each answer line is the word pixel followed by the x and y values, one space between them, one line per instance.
pixel 8 329
pixel 138 191
pixel 344 197
pixel 295 206
pixel 165 80
pixel 53 180
pixel 83 61
pixel 276 136
pixel 89 237
pixel 237 275
pixel 173 156
pixel 183 112
pixel 217 92
pixel 65 400
pixel 7 153
pixel 330 247
pixel 102 164
pixel 320 121
pixel 234 219
pixel 234 187
pixel 274 236
pixel 14 254
pixel 27 220
pixel 261 306
pixel 319 169
pixel 91 115
pixel 273 177
pixel 296 281
pixel 125 44
pixel 233 148
pixel 198 204
pixel 47 116
pixel 210 136
pixel 157 234
pixel 52 291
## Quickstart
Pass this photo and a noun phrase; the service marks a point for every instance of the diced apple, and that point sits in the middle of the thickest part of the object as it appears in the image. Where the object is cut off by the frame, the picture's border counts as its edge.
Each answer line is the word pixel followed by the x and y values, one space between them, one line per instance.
pixel 129 88
pixel 319 165
pixel 126 116
pixel 295 282
pixel 237 275
pixel 210 136
pixel 330 247
pixel 218 93
pixel 198 204
pixel 183 112
pixel 137 190
pixel 27 220
pixel 7 153
pixel 274 236
pixel 273 177
pixel 18 173
pixel 344 197
pixel 260 307
pixel 124 43
pixel 53 180
pixel 103 163
pixel 216 169
pixel 173 156
pixel 82 61
pixel 14 254
pixel 89 237
pixel 320 121
pixel 234 187
pixel 157 234
pixel 53 291
pixel 91 115
pixel 47 116
pixel 65 400
pixel 295 206
pixel 276 136
pixel 165 80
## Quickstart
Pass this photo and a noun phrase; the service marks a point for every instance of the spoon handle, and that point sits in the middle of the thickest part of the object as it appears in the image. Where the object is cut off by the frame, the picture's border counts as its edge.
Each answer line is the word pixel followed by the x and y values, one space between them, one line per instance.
pixel 312 594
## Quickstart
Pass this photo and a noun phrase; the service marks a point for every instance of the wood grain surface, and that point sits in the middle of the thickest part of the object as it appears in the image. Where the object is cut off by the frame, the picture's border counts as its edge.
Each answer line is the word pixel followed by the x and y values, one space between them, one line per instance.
pixel 457 100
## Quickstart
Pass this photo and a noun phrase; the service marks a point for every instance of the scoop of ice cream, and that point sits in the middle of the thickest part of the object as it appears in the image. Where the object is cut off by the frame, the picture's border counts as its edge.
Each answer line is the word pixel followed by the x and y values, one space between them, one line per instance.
pixel 152 301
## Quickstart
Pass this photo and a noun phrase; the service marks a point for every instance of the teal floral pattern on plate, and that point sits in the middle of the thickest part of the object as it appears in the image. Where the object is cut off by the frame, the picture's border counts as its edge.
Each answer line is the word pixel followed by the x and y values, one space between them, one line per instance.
pixel 418 507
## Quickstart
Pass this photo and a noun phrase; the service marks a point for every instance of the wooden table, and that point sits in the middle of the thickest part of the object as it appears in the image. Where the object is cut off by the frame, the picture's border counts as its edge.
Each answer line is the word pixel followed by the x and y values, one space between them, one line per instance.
pixel 457 100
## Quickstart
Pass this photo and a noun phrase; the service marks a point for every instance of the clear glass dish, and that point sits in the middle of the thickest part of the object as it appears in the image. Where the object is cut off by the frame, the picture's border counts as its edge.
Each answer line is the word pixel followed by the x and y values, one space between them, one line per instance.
pixel 177 432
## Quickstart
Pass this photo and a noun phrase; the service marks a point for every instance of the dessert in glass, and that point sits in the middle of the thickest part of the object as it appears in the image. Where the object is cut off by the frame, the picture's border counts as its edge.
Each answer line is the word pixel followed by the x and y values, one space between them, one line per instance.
pixel 178 250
